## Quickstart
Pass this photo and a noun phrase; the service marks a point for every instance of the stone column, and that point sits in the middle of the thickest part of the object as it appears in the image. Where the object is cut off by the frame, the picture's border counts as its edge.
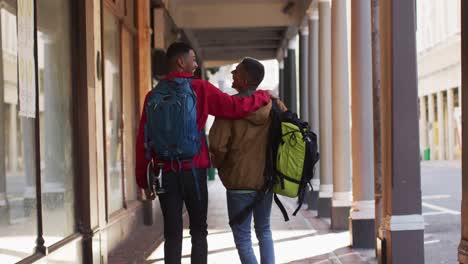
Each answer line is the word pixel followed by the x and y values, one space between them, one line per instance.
pixel 325 104
pixel 441 125
pixel 404 224
pixel 463 246
pixel 304 72
pixel 286 89
pixel 363 211
pixel 377 95
pixel 13 146
pixel 291 84
pixel 431 113
pixel 29 156
pixel 341 202
pixel 423 124
pixel 314 96
pixel 2 127
pixel 450 125
pixel 54 116
pixel 281 79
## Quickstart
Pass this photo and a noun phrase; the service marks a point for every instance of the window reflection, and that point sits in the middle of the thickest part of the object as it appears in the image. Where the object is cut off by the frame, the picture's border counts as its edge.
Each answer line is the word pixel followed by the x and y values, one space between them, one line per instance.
pixel 130 124
pixel 18 226
pixel 113 111
pixel 55 86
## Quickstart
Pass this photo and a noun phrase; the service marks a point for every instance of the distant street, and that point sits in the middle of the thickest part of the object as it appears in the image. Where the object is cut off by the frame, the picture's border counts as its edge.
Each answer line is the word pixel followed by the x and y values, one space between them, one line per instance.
pixel 441 200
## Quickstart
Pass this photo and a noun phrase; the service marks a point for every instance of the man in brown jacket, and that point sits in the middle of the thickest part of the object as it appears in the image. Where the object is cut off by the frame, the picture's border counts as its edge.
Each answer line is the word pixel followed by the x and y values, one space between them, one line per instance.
pixel 238 149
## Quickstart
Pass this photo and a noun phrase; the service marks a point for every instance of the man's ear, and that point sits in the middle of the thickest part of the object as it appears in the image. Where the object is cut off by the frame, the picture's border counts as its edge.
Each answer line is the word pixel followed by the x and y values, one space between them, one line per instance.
pixel 180 62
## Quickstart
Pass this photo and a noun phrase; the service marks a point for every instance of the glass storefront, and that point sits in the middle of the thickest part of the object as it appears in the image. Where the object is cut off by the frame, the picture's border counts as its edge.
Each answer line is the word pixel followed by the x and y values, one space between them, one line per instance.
pixel 55 104
pixel 38 153
pixel 18 215
pixel 113 111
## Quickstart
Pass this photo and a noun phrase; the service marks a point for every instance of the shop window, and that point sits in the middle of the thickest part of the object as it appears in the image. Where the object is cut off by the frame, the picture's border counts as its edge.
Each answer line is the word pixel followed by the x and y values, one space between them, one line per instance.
pixel 113 112
pixel 129 113
pixel 18 215
pixel 55 106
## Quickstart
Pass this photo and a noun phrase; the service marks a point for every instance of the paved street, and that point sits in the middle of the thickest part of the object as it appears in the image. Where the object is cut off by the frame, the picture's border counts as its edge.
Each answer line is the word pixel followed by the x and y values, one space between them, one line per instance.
pixel 441 190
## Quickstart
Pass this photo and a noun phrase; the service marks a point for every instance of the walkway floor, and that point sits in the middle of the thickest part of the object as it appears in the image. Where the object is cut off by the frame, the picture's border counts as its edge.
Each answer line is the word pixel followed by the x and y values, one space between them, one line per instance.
pixel 304 239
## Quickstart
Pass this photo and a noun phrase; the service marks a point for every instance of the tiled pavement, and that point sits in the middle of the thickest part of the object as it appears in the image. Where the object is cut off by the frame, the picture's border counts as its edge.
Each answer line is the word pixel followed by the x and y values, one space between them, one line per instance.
pixel 304 239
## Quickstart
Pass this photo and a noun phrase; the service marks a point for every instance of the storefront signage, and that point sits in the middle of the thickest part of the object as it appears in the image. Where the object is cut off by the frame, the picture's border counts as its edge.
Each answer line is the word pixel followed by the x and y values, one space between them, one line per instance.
pixel 26 61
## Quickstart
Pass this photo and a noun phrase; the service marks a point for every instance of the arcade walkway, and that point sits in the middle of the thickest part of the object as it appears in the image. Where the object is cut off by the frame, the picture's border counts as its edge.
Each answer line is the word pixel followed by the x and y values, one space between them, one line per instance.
pixel 304 239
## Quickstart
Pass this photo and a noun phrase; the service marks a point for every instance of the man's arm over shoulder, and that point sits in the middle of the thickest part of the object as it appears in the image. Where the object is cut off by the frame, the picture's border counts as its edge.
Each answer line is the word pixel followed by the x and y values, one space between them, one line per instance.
pixel 219 138
pixel 280 104
pixel 225 106
pixel 141 161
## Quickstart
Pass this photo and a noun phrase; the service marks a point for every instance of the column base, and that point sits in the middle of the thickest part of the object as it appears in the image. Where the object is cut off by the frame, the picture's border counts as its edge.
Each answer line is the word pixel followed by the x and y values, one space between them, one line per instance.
pixel 324 207
pixel 463 251
pixel 362 233
pixel 401 231
pixel 340 217
pixel 398 250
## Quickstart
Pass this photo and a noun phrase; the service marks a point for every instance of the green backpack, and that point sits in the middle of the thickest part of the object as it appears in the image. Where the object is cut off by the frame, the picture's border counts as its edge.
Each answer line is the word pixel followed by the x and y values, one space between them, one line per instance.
pixel 292 153
pixel 290 161
pixel 291 157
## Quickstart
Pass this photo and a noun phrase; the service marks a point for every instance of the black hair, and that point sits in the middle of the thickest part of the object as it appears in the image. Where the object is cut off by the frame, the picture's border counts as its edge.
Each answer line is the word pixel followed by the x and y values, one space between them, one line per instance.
pixel 255 70
pixel 176 49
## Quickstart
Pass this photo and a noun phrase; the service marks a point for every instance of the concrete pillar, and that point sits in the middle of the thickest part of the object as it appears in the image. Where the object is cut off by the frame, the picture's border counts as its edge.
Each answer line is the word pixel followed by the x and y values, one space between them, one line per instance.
pixel 314 96
pixel 286 89
pixel 13 137
pixel 377 95
pixel 404 223
pixel 441 125
pixel 423 124
pixel 450 125
pixel 325 104
pixel 341 202
pixel 54 115
pixel 304 72
pixel 291 83
pixel 29 156
pixel 2 127
pixel 463 246
pixel 363 211
pixel 431 132
pixel 281 79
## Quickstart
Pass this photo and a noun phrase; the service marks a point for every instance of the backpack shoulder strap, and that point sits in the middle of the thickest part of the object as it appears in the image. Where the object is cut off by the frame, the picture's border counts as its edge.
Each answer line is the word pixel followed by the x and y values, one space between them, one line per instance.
pixel 281 207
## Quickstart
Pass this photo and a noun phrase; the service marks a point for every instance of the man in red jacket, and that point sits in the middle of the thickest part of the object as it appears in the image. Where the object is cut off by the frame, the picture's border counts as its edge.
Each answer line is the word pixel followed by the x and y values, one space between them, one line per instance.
pixel 180 184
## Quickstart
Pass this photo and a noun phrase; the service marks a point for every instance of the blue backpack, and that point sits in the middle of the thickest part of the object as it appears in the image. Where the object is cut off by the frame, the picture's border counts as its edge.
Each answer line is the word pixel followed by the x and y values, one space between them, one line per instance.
pixel 171 122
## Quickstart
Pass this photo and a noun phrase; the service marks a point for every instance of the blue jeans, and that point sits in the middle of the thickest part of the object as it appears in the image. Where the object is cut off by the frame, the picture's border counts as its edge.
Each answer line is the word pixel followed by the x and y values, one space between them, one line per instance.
pixel 237 202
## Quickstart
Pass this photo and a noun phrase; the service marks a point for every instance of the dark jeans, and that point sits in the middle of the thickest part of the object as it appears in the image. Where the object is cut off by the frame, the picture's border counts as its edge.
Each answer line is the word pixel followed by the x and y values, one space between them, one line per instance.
pixel 181 188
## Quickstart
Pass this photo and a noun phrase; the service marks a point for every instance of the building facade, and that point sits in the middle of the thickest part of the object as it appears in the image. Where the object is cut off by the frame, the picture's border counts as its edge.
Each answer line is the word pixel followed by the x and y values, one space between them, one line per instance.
pixel 439 76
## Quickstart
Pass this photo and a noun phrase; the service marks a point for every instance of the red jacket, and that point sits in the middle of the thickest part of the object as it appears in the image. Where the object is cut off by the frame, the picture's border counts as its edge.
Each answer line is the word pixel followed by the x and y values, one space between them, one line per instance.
pixel 210 101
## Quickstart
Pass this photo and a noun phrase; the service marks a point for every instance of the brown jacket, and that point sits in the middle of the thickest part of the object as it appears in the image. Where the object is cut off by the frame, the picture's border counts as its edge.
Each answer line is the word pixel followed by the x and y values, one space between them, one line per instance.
pixel 238 149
